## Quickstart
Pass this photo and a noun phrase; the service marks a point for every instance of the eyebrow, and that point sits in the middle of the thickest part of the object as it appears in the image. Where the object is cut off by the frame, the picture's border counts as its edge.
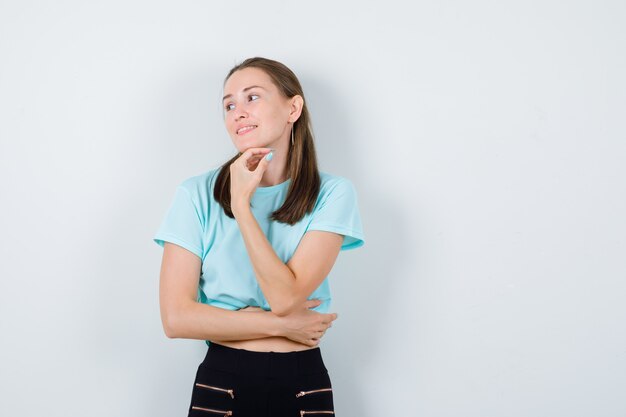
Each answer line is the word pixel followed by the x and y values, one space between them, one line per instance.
pixel 245 89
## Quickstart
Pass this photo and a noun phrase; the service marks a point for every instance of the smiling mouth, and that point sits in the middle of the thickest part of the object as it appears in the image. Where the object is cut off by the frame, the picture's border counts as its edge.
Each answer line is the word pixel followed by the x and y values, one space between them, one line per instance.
pixel 246 129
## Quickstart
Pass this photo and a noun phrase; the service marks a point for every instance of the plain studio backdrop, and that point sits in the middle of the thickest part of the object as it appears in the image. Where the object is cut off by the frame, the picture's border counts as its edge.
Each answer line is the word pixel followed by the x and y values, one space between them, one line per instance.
pixel 486 141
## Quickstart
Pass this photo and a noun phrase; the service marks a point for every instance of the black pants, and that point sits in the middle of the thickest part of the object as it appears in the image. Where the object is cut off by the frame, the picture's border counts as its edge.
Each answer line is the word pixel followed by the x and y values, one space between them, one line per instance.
pixel 245 383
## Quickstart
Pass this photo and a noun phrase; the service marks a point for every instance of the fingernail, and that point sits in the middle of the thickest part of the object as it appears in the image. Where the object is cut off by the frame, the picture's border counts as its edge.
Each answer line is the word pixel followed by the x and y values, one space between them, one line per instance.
pixel 269 156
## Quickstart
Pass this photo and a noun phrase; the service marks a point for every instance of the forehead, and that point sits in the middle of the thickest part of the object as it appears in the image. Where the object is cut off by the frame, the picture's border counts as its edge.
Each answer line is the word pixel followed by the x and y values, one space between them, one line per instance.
pixel 245 78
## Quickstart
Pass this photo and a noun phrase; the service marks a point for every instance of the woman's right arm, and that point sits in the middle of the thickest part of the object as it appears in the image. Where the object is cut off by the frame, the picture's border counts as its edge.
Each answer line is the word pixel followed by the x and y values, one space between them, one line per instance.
pixel 184 317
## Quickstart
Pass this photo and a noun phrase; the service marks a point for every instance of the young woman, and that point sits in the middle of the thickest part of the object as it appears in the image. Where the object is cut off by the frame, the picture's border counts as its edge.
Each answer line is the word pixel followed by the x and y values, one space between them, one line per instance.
pixel 248 247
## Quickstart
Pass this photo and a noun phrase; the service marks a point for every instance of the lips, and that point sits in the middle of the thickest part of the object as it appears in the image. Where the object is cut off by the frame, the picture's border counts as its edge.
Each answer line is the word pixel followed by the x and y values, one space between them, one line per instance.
pixel 245 129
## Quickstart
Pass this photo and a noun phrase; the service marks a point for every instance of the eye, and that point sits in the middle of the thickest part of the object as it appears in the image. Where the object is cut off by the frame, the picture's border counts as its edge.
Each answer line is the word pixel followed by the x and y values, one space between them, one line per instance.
pixel 252 97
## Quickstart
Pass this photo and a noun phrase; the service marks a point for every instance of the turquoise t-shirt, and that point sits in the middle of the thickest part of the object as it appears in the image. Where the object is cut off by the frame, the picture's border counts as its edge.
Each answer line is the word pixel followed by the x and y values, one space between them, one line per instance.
pixel 197 222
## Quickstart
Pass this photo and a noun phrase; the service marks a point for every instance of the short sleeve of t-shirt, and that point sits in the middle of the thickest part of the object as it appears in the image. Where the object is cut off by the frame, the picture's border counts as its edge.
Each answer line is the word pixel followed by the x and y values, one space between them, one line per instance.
pixel 182 224
pixel 338 212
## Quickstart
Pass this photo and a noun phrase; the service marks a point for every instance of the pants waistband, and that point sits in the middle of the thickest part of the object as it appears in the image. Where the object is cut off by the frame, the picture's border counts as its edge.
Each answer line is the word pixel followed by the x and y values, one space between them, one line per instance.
pixel 270 364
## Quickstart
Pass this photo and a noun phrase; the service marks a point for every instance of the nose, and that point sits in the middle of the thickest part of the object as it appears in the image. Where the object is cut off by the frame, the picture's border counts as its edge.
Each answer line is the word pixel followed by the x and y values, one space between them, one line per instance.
pixel 239 112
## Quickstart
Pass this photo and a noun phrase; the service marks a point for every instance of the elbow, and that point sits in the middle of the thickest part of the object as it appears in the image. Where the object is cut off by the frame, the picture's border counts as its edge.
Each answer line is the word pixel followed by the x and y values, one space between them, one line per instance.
pixel 283 309
pixel 286 305
pixel 169 331
pixel 281 313
pixel 171 326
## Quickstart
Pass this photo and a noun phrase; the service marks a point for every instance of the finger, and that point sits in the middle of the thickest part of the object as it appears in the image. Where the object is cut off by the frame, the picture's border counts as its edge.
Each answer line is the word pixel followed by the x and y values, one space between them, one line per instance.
pixel 245 157
pixel 250 152
pixel 255 159
pixel 252 163
pixel 257 162
pixel 312 303
pixel 263 163
pixel 330 317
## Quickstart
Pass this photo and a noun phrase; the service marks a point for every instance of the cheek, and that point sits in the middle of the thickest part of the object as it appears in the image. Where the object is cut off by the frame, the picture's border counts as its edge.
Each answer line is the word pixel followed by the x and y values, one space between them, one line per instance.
pixel 229 122
pixel 278 118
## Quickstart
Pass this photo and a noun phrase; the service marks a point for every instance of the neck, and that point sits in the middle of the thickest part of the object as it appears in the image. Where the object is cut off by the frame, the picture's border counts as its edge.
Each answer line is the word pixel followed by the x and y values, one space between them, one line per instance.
pixel 276 171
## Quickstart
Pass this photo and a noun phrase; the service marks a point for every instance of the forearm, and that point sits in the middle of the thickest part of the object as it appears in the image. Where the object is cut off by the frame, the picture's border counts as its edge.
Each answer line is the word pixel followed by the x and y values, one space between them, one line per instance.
pixel 195 320
pixel 276 280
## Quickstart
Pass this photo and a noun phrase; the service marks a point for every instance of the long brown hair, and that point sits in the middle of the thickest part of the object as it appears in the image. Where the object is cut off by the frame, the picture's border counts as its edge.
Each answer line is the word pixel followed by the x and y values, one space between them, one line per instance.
pixel 301 159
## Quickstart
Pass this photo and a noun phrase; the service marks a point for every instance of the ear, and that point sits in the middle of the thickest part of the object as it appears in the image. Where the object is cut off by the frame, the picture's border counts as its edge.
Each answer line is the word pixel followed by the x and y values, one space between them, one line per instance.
pixel 295 109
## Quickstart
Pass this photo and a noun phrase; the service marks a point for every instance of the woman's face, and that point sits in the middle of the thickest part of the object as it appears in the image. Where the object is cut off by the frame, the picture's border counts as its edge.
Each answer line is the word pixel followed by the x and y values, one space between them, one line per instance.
pixel 256 114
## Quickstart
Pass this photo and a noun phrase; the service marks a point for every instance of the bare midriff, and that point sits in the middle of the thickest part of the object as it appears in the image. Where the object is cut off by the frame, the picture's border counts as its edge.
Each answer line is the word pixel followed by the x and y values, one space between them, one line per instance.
pixel 266 344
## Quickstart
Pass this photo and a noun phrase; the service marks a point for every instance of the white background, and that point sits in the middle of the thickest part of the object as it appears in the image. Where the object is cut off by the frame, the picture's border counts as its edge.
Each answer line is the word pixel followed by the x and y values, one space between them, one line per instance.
pixel 486 143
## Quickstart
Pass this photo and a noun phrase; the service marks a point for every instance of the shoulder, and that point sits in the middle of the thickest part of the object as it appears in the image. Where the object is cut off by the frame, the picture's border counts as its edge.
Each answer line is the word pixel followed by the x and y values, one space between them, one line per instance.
pixel 332 183
pixel 200 186
pixel 335 187
pixel 337 210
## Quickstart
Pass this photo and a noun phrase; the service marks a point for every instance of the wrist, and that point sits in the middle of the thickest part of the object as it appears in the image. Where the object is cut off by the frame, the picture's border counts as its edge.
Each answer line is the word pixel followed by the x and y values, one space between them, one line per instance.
pixel 277 327
pixel 239 208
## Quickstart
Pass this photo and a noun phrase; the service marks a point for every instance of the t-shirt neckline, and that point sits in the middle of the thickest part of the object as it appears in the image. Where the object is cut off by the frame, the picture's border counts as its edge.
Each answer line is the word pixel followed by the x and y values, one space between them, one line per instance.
pixel 273 188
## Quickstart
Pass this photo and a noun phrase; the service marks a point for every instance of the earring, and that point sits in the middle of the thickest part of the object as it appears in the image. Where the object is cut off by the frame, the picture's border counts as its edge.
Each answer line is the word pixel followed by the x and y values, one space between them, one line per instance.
pixel 291 135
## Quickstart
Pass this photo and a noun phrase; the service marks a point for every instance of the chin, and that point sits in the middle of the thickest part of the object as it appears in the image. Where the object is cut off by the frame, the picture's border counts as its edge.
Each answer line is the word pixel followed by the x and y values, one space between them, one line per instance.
pixel 243 146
